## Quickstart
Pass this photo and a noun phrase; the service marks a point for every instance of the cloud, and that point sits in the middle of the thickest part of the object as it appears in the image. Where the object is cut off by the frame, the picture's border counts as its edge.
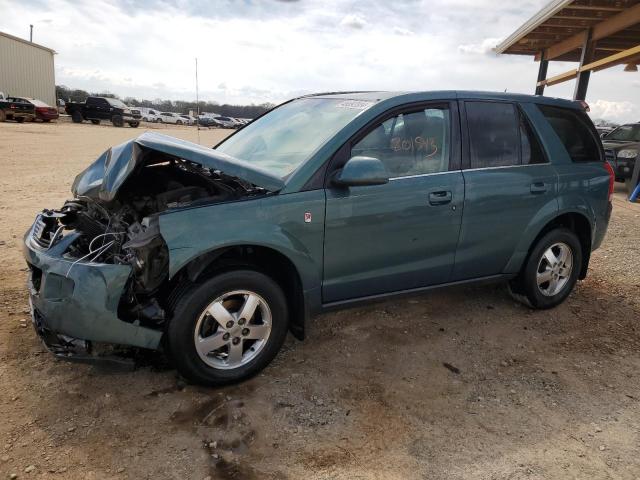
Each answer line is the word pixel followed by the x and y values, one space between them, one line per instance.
pixel 270 51
pixel 614 111
pixel 483 48
pixel 353 21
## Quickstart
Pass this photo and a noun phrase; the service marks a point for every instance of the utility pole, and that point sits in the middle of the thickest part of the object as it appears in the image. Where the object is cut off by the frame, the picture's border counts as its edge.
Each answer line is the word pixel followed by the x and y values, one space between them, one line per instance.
pixel 31 33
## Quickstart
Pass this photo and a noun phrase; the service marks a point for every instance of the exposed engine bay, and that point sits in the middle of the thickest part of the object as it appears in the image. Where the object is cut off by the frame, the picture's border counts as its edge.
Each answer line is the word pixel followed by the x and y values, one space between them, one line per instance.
pixel 125 230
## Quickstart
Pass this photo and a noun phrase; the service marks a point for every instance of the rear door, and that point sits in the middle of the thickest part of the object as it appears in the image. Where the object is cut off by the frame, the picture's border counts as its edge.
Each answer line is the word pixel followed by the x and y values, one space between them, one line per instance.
pixel 508 183
pixel 401 235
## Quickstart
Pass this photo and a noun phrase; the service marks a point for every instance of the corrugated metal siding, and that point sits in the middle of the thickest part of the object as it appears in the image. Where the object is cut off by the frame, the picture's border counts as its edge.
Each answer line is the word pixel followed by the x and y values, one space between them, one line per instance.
pixel 26 71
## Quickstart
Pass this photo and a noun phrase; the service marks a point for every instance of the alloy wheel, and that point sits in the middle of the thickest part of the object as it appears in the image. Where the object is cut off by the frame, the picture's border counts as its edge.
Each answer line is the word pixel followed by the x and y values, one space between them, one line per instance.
pixel 233 329
pixel 554 269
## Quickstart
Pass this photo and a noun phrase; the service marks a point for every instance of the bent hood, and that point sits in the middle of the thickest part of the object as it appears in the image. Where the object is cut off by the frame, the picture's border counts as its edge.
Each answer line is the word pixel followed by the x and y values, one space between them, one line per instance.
pixel 103 178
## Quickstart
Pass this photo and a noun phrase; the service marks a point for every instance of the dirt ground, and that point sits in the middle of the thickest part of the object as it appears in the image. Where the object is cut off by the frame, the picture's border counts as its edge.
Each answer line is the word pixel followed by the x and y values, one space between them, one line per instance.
pixel 526 394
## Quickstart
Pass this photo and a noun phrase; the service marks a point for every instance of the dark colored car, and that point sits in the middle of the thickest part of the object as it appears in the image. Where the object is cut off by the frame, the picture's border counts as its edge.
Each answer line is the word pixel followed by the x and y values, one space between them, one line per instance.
pixel 97 109
pixel 43 111
pixel 325 202
pixel 621 148
pixel 207 122
pixel 16 109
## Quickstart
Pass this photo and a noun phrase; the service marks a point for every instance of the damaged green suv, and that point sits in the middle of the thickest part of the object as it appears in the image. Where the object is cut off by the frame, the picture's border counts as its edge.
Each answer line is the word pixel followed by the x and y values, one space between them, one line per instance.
pixel 213 255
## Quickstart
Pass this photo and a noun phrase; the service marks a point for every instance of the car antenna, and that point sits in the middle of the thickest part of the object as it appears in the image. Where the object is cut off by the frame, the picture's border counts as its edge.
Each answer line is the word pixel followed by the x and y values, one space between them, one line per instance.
pixel 197 104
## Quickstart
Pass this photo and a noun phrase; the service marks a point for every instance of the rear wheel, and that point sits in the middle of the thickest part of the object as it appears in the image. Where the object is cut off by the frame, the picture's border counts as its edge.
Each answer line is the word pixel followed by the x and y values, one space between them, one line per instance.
pixel 95 121
pixel 134 124
pixel 76 117
pixel 551 270
pixel 179 122
pixel 46 120
pixel 20 119
pixel 117 121
pixel 228 328
pixel 159 120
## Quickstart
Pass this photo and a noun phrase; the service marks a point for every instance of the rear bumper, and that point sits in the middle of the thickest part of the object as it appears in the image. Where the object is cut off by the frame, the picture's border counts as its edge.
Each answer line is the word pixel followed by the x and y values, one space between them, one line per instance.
pixel 79 300
pixel 47 116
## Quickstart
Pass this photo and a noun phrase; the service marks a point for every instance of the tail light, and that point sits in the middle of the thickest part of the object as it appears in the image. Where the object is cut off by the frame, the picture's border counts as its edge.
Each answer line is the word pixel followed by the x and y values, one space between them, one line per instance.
pixel 612 179
pixel 13 107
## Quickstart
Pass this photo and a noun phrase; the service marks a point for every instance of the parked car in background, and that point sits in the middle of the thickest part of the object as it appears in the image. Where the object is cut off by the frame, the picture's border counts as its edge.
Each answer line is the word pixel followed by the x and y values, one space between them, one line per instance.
pixel 149 114
pixel 44 112
pixel 603 130
pixel 214 255
pixel 135 111
pixel 225 122
pixel 621 148
pixel 187 119
pixel 207 122
pixel 170 117
pixel 96 109
pixel 16 109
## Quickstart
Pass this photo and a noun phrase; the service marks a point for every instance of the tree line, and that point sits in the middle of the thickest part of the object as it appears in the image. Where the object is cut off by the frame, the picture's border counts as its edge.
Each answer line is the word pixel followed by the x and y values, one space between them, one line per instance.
pixel 177 106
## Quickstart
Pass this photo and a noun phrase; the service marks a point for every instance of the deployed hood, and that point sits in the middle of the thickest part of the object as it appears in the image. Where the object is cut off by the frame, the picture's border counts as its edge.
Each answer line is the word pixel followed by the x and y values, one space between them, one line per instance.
pixel 103 178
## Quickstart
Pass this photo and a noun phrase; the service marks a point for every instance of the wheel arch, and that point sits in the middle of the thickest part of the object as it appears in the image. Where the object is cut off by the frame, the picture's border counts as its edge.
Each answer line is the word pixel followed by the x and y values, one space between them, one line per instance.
pixel 266 260
pixel 578 223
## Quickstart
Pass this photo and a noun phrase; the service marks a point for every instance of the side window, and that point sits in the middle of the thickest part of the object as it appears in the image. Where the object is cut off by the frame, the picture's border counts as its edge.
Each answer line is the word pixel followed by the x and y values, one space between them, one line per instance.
pixel 531 149
pixel 493 134
pixel 575 131
pixel 91 102
pixel 412 143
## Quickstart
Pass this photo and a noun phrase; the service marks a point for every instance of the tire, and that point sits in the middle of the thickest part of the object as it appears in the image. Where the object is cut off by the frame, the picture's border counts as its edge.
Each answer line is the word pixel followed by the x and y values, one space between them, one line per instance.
pixel 3 116
pixel 46 120
pixel 117 121
pixel 159 120
pixel 145 119
pixel 531 287
pixel 95 121
pixel 76 117
pixel 134 124
pixel 190 318
pixel 178 122
pixel 20 119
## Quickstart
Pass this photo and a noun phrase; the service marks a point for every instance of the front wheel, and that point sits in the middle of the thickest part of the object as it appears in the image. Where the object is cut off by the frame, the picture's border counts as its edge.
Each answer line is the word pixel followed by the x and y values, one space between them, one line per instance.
pixel 134 124
pixel 95 121
pixel 228 328
pixel 76 117
pixel 551 271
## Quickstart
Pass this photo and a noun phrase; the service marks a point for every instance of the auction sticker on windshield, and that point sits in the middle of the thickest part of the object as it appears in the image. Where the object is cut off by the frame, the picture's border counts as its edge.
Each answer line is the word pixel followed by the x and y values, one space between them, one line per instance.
pixel 355 104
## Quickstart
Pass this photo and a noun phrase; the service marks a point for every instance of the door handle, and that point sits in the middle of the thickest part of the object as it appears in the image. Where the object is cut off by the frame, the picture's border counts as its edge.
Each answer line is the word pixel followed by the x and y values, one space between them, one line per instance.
pixel 440 198
pixel 538 187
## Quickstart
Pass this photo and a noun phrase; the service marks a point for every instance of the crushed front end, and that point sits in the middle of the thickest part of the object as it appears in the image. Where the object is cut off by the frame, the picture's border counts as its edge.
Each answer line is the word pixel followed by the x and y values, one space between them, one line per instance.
pixel 99 267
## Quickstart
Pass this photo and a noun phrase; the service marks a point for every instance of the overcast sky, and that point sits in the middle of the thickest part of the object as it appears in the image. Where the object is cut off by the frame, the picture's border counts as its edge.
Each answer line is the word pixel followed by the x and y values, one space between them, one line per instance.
pixel 253 51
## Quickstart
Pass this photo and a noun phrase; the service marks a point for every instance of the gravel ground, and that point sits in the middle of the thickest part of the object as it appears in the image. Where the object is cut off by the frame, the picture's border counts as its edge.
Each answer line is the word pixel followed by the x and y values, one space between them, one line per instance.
pixel 453 384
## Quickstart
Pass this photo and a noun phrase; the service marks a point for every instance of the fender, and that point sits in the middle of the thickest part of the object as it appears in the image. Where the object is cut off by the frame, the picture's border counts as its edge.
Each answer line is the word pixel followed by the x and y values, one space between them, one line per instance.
pixel 276 222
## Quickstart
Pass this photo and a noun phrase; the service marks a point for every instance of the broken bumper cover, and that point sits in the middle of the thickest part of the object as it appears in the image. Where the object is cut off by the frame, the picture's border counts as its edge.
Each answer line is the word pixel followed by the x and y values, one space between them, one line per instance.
pixel 75 303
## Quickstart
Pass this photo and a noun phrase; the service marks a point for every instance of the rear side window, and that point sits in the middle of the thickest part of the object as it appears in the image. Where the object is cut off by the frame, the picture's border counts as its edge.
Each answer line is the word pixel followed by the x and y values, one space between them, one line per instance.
pixel 493 134
pixel 574 129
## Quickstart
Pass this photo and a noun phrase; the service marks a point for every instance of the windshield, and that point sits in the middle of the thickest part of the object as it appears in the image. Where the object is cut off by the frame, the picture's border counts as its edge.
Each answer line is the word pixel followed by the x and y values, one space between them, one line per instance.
pixel 288 135
pixel 625 133
pixel 114 102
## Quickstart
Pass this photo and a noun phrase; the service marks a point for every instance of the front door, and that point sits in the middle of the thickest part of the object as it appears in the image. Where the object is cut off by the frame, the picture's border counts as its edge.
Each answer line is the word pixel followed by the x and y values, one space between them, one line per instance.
pixel 401 235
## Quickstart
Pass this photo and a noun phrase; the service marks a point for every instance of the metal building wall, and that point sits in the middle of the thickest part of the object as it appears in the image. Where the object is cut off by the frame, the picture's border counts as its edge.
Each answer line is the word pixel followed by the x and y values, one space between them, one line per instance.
pixel 26 70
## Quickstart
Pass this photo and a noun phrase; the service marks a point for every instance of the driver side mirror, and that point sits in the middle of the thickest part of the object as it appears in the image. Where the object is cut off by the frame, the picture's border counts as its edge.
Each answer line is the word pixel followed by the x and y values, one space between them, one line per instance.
pixel 361 171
